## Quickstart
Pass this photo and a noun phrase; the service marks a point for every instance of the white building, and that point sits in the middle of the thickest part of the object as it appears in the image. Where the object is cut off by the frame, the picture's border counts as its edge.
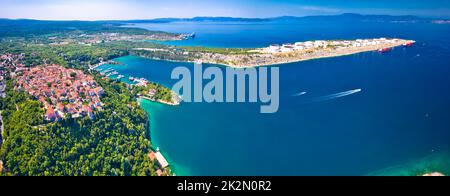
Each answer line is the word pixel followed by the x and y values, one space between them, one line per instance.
pixel 274 48
pixel 319 44
pixel 357 44
pixel 161 160
pixel 309 44
pixel 299 47
pixel 336 43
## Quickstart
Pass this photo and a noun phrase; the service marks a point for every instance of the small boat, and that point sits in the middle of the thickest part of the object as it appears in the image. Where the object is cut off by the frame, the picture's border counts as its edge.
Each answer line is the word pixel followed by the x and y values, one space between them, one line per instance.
pixel 384 50
pixel 299 94
pixel 131 78
pixel 107 71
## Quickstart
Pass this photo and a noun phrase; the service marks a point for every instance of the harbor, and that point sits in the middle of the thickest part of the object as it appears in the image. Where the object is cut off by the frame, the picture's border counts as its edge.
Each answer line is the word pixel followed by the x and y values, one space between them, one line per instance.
pixel 94 67
pixel 111 73
pixel 141 82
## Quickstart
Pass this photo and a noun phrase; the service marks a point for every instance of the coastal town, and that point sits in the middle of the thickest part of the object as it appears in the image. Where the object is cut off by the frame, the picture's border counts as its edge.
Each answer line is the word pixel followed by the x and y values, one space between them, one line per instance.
pixel 71 93
pixel 301 51
pixel 68 93
pixel 224 88
pixel 105 37
pixel 63 92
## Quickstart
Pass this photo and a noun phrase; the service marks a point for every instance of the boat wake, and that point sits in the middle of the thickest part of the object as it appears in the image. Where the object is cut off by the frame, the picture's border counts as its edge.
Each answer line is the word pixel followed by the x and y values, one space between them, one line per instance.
pixel 336 95
pixel 299 94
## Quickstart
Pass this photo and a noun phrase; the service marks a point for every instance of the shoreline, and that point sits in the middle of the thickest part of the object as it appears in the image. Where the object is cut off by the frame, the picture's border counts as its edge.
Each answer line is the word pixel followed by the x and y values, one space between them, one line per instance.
pixel 329 54
pixel 296 56
pixel 160 101
pixel 289 53
pixel 93 67
pixel 430 163
pixel 154 147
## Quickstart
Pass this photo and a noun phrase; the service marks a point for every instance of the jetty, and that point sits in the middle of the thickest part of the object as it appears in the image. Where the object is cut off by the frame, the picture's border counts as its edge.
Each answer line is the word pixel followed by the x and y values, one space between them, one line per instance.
pixel 92 67
pixel 161 161
pixel 175 103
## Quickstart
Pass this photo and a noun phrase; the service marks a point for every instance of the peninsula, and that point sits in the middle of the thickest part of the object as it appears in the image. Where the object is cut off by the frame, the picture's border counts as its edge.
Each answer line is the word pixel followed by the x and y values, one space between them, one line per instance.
pixel 279 54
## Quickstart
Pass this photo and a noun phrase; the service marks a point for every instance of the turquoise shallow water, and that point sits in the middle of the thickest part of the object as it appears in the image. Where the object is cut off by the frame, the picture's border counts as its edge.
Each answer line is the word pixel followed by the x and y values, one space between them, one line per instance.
pixel 400 116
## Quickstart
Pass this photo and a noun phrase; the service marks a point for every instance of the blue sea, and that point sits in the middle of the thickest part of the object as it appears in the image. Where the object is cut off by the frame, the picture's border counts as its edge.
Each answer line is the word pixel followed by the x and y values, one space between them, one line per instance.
pixel 398 124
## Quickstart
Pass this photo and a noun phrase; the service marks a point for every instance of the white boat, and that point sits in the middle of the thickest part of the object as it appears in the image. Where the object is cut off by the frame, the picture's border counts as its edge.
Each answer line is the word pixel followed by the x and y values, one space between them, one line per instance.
pixel 114 73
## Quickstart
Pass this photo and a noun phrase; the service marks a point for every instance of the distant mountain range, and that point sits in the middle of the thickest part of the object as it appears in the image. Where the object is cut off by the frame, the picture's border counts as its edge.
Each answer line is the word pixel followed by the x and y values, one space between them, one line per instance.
pixel 9 27
pixel 347 17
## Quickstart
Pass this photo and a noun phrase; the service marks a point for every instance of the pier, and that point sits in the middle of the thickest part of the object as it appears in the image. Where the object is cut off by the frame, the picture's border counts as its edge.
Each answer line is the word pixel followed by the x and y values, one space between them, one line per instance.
pixel 161 160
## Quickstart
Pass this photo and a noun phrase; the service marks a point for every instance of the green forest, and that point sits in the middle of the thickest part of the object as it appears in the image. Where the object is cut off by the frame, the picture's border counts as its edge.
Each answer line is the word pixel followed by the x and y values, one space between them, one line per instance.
pixel 35 29
pixel 115 144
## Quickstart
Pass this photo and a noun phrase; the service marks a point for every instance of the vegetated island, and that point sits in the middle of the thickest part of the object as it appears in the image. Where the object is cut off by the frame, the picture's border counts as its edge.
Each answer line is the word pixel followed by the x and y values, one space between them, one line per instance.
pixel 274 54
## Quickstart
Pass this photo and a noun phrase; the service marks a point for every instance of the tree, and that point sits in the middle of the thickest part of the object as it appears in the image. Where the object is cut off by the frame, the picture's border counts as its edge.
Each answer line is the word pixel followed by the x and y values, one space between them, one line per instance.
pixel 110 145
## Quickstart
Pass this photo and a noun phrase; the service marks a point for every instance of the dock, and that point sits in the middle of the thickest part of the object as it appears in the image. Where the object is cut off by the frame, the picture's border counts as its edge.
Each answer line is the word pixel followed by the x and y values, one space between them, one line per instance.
pixel 161 160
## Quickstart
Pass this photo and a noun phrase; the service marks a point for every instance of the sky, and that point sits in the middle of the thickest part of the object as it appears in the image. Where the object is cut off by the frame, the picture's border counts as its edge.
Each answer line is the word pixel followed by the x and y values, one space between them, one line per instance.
pixel 148 9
